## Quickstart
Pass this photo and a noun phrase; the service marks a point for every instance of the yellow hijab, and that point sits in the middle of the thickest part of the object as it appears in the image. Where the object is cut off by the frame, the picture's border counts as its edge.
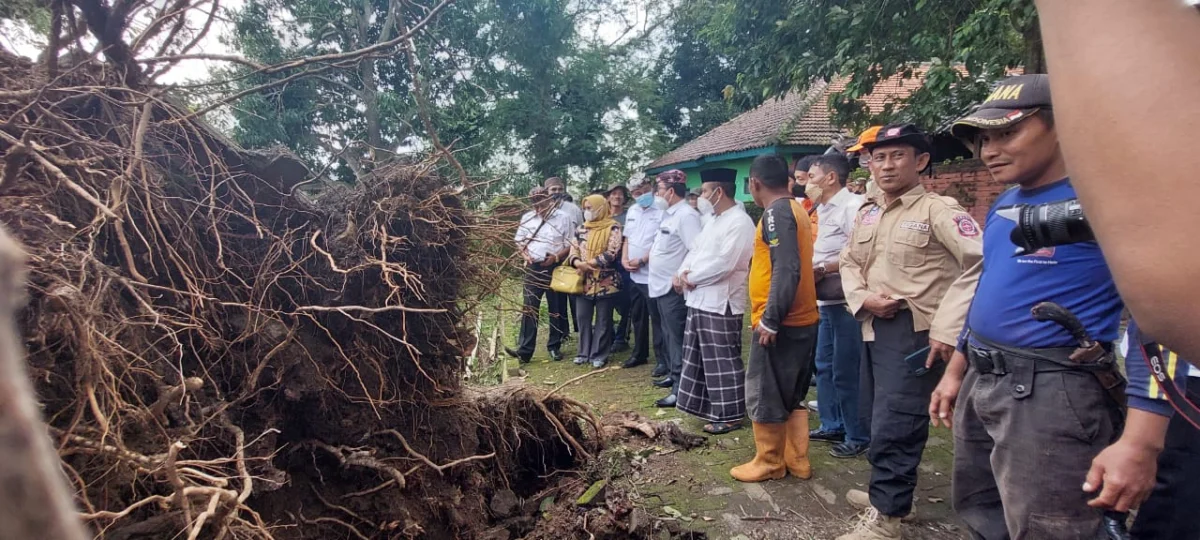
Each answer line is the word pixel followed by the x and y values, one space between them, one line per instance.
pixel 599 228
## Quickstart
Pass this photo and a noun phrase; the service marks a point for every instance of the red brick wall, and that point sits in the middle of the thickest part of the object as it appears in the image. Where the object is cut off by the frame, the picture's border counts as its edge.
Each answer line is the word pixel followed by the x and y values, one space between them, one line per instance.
pixel 968 182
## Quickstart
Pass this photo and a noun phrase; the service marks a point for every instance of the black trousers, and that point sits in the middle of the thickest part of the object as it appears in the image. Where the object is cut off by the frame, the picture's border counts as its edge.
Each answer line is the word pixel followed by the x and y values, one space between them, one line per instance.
pixel 621 304
pixel 595 330
pixel 646 323
pixel 1023 443
pixel 899 404
pixel 1171 511
pixel 673 309
pixel 536 284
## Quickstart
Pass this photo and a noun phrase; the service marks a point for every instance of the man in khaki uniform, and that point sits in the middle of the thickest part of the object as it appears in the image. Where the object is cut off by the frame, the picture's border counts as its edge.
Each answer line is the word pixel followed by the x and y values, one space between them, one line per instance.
pixel 900 272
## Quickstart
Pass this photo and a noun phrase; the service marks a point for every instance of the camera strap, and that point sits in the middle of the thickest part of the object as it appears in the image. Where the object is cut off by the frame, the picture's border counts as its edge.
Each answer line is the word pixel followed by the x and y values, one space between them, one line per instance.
pixel 1153 355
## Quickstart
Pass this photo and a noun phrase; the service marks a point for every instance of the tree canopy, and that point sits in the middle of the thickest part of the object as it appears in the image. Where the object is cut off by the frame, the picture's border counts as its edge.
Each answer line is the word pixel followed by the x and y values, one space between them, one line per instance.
pixel 587 89
pixel 517 89
pixel 783 45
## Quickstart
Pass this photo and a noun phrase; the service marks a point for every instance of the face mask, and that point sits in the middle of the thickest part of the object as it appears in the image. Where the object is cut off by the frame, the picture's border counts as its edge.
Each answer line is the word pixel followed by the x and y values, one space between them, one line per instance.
pixel 798 191
pixel 588 215
pixel 645 200
pixel 660 202
pixel 813 191
pixel 705 206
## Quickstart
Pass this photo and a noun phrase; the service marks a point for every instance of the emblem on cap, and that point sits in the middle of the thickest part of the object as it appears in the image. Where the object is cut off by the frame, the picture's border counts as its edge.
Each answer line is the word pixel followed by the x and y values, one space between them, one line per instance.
pixel 893 132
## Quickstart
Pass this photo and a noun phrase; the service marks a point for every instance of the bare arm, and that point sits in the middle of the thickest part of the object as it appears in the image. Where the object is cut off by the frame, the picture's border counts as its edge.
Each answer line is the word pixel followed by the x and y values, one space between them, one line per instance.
pixel 1116 128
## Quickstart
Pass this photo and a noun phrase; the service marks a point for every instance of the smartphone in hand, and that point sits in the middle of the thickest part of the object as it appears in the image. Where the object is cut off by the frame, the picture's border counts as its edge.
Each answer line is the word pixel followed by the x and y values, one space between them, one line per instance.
pixel 916 361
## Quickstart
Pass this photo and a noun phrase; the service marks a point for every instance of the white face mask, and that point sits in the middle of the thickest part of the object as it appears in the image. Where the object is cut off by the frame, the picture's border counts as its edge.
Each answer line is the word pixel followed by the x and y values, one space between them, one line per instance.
pixel 705 206
pixel 660 202
pixel 588 215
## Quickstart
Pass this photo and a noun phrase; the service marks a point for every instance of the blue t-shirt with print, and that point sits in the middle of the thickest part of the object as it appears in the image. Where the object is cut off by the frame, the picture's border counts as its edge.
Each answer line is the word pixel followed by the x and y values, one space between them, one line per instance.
pixel 1074 276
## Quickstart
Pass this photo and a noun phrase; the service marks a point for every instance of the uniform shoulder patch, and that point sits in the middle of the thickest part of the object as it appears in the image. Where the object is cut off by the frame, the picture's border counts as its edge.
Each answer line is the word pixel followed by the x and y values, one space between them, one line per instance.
pixel 871 215
pixel 966 225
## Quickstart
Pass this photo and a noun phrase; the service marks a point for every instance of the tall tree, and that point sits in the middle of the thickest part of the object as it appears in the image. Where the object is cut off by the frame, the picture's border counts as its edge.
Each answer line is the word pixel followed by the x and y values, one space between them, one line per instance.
pixel 783 45
pixel 506 84
pixel 695 79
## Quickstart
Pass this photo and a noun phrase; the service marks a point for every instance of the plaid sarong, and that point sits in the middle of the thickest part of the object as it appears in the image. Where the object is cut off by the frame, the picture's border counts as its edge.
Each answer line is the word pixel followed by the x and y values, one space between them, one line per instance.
pixel 713 384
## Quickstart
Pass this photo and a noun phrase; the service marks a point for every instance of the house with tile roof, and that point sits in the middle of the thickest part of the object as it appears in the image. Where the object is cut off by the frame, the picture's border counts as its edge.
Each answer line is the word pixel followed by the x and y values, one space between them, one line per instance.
pixel 794 125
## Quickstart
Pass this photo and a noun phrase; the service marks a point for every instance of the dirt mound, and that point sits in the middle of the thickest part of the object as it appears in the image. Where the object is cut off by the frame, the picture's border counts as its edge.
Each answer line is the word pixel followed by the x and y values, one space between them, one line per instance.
pixel 223 350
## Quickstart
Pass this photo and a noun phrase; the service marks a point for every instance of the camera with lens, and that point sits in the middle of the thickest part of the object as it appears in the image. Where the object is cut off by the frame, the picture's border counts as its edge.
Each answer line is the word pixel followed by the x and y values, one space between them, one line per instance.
pixel 1046 225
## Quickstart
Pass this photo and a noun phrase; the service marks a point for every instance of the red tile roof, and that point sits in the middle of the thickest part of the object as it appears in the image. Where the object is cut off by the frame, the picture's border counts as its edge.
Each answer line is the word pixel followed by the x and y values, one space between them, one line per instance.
pixel 794 119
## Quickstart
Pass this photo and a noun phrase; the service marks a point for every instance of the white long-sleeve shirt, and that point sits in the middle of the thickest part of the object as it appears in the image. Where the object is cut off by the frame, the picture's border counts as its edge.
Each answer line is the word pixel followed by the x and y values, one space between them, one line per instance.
pixel 641 228
pixel 676 236
pixel 835 222
pixel 541 240
pixel 719 264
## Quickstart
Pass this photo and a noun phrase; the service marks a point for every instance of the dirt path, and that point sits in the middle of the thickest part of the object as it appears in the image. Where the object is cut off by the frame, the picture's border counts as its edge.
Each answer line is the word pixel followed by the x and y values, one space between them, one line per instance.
pixel 696 484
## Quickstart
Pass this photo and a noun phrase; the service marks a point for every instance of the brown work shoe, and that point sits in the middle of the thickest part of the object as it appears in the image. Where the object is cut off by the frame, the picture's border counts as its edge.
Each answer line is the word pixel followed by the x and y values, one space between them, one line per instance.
pixel 860 500
pixel 768 455
pixel 874 526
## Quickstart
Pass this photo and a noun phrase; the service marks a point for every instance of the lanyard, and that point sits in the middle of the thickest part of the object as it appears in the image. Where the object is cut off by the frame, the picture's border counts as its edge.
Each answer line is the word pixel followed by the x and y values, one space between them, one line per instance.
pixel 1153 355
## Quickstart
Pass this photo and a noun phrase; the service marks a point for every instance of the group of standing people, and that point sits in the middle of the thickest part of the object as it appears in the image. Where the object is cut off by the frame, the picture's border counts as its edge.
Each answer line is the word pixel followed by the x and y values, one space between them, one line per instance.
pixel 888 296
pixel 1050 439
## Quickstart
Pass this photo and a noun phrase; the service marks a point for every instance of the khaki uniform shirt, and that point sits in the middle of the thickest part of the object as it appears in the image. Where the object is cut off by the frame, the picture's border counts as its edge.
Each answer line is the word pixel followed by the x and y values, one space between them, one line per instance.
pixel 915 250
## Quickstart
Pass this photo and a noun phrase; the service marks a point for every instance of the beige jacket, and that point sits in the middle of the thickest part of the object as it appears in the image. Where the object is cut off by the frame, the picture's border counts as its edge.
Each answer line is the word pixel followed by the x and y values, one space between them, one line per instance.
pixel 924 249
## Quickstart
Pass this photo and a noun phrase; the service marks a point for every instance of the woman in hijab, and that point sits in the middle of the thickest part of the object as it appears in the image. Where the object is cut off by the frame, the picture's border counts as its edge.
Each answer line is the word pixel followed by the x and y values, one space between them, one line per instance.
pixel 595 255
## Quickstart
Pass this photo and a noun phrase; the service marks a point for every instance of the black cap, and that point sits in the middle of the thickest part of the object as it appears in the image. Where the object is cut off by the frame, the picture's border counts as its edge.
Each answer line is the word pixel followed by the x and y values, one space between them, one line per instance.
pixel 718 175
pixel 900 134
pixel 1013 100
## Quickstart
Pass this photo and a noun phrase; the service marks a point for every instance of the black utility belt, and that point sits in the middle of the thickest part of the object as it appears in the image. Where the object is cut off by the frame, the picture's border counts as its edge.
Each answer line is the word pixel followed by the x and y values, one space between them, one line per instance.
pixel 988 357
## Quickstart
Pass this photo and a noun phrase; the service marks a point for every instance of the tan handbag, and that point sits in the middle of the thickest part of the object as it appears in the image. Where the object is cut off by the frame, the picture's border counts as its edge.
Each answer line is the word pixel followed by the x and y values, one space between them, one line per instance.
pixel 567 280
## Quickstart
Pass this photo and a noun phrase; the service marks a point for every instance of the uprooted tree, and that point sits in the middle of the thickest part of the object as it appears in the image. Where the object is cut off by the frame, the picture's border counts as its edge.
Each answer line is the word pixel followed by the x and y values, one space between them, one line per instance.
pixel 221 350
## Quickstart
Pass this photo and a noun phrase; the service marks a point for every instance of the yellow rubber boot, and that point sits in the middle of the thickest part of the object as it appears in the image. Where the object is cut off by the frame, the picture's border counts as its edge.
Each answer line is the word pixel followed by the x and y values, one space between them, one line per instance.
pixel 795 454
pixel 768 455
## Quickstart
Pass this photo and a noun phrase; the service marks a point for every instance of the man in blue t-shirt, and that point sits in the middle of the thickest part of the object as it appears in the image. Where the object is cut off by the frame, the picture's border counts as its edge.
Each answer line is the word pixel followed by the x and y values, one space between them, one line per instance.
pixel 1028 421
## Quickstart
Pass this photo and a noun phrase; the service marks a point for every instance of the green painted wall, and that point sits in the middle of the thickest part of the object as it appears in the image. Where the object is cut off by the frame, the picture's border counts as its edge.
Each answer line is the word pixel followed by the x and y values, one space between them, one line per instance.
pixel 738 161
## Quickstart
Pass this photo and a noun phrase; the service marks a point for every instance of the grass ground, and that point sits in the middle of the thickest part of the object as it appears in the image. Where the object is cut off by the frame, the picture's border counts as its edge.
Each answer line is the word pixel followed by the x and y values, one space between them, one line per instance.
pixel 695 486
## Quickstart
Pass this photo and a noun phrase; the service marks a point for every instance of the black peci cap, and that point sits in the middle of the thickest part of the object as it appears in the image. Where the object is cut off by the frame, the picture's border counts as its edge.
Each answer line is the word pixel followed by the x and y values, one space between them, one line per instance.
pixel 900 134
pixel 718 175
pixel 1013 100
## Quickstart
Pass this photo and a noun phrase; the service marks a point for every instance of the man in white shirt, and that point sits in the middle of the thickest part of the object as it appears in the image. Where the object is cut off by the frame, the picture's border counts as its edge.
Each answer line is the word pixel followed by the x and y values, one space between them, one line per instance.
pixel 839 339
pixel 543 239
pixel 557 188
pixel 642 221
pixel 677 233
pixel 715 276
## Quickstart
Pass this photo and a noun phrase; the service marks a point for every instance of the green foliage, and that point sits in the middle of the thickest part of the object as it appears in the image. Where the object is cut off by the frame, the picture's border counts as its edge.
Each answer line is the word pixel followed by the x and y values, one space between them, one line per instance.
pixel 693 78
pixel 31 12
pixel 514 89
pixel 781 45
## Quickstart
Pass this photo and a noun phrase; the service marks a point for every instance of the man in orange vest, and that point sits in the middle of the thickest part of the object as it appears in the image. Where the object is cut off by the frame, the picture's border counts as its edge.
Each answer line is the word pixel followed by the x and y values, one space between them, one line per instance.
pixel 783 306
